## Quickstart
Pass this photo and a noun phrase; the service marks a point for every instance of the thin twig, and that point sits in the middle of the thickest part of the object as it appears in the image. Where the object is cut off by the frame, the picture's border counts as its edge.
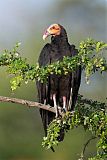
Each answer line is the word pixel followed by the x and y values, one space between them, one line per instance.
pixel 85 145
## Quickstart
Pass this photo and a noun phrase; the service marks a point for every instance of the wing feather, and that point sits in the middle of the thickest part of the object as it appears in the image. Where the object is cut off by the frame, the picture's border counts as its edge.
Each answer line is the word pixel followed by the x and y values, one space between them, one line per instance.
pixel 76 80
pixel 43 89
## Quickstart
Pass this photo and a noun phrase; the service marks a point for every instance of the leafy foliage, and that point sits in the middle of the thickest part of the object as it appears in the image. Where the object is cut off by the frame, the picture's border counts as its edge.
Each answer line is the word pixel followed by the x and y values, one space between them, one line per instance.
pixel 92 115
pixel 65 123
pixel 89 56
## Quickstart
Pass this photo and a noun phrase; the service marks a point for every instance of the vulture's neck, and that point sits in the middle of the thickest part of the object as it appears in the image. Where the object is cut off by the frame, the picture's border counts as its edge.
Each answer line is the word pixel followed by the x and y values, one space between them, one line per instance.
pixel 60 40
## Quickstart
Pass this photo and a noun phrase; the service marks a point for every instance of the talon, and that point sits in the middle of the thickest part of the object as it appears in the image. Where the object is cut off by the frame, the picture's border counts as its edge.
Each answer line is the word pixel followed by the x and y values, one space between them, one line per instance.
pixel 64 110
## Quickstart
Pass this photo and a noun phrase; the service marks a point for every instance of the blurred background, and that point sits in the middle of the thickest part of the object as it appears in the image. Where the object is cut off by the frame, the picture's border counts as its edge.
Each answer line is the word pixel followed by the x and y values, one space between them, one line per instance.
pixel 24 21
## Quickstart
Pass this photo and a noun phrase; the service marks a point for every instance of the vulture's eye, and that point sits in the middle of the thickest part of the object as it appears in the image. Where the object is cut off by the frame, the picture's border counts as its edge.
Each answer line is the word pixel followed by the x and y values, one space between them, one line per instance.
pixel 53 27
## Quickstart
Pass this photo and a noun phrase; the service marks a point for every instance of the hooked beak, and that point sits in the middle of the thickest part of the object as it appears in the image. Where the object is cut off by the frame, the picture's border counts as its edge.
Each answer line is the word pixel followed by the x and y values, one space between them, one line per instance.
pixel 45 35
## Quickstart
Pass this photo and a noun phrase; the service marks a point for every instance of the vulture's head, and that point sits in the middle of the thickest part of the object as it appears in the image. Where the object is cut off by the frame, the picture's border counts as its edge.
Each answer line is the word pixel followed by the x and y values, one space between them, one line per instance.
pixel 54 30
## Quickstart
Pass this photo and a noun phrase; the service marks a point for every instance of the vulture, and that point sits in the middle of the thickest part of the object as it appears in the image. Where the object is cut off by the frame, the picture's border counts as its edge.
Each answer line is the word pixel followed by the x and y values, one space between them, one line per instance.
pixel 60 90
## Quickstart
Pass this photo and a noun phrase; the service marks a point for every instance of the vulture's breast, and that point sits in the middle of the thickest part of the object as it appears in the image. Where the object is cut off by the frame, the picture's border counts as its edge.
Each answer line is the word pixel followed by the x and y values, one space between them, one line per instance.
pixel 57 53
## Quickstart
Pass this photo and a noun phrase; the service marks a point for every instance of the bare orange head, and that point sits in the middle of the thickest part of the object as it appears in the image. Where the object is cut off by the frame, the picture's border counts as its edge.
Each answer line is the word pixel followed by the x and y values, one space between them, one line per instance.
pixel 53 30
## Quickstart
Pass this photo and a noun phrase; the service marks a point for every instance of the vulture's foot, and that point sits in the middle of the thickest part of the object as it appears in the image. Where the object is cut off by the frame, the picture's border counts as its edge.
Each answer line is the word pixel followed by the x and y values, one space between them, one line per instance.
pixel 55 106
pixel 65 108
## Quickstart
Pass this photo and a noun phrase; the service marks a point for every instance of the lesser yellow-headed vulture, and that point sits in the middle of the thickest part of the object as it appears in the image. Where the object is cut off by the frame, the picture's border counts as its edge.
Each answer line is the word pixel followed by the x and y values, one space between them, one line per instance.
pixel 60 90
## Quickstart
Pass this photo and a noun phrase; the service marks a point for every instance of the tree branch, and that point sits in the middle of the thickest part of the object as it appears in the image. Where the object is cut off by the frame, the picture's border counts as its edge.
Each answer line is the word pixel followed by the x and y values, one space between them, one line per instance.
pixel 28 103
pixel 40 105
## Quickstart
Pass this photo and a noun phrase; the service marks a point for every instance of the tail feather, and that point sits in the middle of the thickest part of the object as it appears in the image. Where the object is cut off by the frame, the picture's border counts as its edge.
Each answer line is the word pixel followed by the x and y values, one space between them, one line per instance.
pixel 47 118
pixel 61 135
pixel 52 149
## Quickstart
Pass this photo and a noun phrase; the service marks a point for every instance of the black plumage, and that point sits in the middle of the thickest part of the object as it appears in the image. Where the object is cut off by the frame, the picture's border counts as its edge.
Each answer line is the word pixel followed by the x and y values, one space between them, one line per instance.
pixel 64 88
